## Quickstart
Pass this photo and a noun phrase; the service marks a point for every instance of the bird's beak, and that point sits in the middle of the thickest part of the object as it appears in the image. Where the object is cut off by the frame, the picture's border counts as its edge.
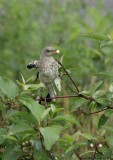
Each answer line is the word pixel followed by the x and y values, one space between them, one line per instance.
pixel 55 51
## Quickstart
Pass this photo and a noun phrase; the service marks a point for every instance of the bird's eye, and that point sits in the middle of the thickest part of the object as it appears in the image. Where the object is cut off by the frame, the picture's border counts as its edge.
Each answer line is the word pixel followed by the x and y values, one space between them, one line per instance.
pixel 48 50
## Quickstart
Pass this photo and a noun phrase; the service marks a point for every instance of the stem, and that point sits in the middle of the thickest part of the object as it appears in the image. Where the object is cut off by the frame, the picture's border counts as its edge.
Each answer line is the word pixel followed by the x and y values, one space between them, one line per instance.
pixel 98 111
pixel 77 155
pixel 69 76
pixel 94 154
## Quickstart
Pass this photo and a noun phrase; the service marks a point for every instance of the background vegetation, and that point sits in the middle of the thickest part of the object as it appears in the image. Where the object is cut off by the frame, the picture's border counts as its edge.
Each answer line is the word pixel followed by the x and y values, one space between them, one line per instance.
pixel 70 128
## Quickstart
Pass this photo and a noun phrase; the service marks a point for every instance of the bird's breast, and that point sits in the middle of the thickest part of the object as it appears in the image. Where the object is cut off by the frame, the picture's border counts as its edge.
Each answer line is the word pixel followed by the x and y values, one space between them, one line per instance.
pixel 48 70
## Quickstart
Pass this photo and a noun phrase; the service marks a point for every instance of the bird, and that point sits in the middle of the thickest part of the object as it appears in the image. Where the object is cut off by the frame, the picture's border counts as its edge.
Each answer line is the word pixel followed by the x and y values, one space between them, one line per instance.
pixel 48 69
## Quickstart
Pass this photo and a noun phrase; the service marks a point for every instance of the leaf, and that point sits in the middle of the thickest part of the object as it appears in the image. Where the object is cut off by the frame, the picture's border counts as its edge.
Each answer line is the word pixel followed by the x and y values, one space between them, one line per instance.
pixel 109 129
pixel 1 106
pixel 12 152
pixel 58 83
pixel 95 36
pixel 103 101
pixel 23 80
pixel 78 103
pixel 111 87
pixel 35 108
pixel 3 132
pixel 107 44
pixel 8 87
pixel 32 86
pixel 103 119
pixel 45 113
pixel 38 151
pixel 10 138
pixel 85 93
pixel 99 93
pixel 80 144
pixel 1 94
pixel 105 74
pixel 111 36
pixel 20 128
pixel 69 139
pixel 95 86
pixel 50 135
pixel 66 118
pixel 87 136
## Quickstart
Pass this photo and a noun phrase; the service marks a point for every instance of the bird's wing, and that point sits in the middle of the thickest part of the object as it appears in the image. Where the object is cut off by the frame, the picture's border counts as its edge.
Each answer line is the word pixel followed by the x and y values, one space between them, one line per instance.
pixel 33 64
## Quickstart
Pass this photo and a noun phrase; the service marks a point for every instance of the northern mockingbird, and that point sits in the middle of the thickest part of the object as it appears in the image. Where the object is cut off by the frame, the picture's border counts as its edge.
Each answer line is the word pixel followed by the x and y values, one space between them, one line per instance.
pixel 48 68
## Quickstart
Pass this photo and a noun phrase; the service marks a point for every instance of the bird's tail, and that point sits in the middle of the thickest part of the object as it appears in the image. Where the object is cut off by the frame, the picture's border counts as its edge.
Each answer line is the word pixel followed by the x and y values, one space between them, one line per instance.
pixel 51 92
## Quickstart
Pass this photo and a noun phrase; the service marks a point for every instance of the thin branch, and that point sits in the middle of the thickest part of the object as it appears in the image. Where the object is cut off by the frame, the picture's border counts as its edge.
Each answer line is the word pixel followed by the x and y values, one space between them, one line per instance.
pixel 68 76
pixel 68 96
pixel 3 122
pixel 86 97
pixel 77 155
pixel 94 154
pixel 88 114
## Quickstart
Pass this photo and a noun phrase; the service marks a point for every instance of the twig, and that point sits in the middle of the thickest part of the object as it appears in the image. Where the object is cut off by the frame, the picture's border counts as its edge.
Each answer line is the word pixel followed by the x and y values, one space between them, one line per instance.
pixel 3 122
pixel 68 96
pixel 77 155
pixel 88 114
pixel 94 154
pixel 68 76
pixel 86 97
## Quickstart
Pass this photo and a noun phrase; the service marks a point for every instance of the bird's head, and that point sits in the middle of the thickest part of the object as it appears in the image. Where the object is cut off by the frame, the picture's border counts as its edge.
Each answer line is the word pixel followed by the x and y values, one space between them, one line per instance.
pixel 49 51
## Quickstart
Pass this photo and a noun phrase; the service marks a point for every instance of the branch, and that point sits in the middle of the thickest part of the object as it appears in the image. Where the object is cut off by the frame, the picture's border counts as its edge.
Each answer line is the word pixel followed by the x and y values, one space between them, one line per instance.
pixel 77 155
pixel 67 96
pixel 88 114
pixel 94 154
pixel 68 76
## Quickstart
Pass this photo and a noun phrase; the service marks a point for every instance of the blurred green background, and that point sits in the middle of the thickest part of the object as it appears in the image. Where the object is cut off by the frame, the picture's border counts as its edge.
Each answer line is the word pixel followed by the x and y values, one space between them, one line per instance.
pixel 26 27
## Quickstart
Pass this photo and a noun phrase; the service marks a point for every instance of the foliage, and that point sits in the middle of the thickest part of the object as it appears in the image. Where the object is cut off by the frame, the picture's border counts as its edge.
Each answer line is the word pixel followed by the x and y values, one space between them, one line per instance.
pixel 79 124
pixel 31 130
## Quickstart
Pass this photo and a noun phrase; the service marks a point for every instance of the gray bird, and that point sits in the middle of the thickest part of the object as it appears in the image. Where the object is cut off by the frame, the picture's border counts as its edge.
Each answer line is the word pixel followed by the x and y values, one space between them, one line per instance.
pixel 48 68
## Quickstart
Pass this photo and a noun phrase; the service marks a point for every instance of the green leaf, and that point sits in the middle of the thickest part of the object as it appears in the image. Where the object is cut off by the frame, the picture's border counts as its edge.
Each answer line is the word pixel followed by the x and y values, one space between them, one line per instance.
pixel 107 44
pixel 12 152
pixel 95 86
pixel 69 138
pixel 32 86
pixel 1 94
pixel 20 128
pixel 80 144
pixel 38 151
pixel 105 74
pixel 45 113
pixel 85 93
pixel 111 87
pixel 78 103
pixel 58 83
pixel 1 106
pixel 95 36
pixel 67 118
pixel 22 77
pixel 3 132
pixel 50 135
pixel 109 129
pixel 99 93
pixel 103 119
pixel 35 108
pixel 10 138
pixel 103 101
pixel 8 87
pixel 87 136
